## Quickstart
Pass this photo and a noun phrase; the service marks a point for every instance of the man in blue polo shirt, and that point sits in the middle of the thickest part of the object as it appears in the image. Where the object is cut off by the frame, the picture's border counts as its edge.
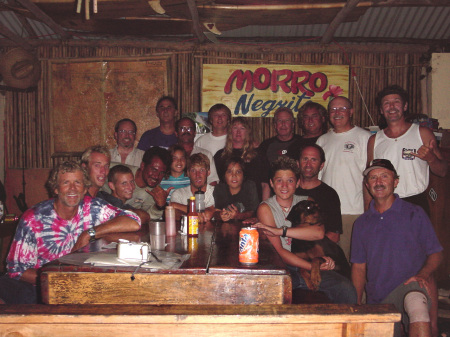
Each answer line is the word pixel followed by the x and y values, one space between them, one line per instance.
pixel 396 249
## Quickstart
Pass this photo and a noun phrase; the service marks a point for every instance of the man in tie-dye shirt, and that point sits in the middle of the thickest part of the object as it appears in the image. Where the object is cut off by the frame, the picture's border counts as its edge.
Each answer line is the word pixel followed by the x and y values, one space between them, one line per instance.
pixel 56 227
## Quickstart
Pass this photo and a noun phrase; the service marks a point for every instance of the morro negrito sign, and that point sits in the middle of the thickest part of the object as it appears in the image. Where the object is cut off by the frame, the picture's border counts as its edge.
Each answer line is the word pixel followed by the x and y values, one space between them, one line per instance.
pixel 255 90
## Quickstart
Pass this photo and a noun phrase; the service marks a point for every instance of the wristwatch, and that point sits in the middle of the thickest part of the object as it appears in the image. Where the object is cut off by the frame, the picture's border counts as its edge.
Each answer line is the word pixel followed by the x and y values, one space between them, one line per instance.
pixel 91 232
pixel 285 228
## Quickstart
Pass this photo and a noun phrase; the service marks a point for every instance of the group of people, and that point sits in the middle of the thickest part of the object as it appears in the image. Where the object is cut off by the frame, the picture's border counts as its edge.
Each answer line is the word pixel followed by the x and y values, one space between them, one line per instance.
pixel 371 186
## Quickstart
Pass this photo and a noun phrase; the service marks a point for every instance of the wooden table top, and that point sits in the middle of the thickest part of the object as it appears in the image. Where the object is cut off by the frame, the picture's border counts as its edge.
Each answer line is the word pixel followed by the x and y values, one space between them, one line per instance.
pixel 217 251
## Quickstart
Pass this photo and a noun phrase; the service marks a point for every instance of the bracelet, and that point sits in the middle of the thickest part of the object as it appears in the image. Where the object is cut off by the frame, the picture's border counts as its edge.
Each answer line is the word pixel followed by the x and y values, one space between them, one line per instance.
pixel 285 228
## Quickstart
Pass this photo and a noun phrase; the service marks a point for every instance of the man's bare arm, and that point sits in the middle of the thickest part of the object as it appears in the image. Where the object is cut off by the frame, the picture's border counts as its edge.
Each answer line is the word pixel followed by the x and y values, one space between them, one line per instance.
pixel 430 152
pixel 359 279
pixel 30 276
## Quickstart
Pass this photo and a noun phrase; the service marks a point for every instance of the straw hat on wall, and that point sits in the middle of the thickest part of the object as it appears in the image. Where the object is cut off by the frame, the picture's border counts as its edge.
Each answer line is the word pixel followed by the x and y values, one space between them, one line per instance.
pixel 19 68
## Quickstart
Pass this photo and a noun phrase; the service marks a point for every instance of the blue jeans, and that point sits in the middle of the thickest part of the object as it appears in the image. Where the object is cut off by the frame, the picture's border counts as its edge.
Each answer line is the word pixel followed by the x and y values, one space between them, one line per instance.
pixel 17 292
pixel 338 288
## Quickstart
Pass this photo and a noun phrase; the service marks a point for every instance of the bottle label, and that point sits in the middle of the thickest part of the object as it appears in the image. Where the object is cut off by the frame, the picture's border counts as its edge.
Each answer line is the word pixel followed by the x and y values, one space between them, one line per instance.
pixel 192 225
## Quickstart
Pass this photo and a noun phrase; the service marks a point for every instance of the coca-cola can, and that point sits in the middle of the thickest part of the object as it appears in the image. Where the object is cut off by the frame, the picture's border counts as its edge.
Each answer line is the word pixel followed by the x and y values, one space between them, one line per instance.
pixel 248 246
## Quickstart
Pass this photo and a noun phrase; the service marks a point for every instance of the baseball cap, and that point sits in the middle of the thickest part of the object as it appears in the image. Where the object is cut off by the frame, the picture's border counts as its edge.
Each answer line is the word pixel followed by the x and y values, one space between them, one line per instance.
pixel 380 163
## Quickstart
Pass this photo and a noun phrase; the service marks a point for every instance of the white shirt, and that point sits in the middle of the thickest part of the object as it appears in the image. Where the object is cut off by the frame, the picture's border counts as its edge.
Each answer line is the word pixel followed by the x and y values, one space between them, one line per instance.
pixel 182 195
pixel 211 143
pixel 134 158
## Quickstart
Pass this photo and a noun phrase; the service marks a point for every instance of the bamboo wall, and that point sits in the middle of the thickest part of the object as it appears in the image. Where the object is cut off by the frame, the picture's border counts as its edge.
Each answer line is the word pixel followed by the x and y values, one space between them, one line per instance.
pixel 28 135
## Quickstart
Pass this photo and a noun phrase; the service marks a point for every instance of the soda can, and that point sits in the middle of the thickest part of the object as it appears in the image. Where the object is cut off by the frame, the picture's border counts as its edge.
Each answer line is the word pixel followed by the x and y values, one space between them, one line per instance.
pixel 248 246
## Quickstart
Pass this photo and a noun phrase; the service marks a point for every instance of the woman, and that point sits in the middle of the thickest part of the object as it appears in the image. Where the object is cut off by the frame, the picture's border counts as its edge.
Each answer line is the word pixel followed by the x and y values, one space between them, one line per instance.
pixel 240 143
pixel 272 215
pixel 236 197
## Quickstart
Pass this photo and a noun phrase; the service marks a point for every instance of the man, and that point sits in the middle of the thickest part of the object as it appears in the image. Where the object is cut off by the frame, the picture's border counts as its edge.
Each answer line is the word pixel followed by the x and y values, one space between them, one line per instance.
pixel 56 227
pixel 163 135
pixel 412 149
pixel 272 215
pixel 311 119
pixel 396 249
pixel 311 161
pixel 198 172
pixel 219 117
pixel 148 195
pixel 96 160
pixel 345 147
pixel 284 123
pixel 121 183
pixel 186 131
pixel 125 152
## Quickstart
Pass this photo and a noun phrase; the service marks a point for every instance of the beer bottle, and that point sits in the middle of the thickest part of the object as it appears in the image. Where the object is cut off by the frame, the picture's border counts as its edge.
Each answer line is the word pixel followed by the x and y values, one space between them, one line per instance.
pixel 192 218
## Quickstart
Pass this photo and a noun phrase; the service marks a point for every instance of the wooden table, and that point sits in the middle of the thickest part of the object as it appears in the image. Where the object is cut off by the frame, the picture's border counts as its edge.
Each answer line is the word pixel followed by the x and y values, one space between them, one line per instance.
pixel 212 275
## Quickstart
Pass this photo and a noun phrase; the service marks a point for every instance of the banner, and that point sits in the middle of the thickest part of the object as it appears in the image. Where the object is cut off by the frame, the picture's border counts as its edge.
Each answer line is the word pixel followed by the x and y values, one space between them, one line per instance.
pixel 257 90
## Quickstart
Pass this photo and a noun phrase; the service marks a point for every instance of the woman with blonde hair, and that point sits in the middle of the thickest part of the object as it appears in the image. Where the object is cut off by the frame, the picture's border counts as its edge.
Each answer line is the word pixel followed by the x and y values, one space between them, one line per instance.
pixel 240 143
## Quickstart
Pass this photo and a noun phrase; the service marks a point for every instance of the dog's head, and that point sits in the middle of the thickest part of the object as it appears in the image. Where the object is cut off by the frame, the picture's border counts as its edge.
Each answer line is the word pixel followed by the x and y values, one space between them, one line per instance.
pixel 306 211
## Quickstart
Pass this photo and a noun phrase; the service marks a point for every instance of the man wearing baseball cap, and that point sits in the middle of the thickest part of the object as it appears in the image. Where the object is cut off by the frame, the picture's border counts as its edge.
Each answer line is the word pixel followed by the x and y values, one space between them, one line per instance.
pixel 395 248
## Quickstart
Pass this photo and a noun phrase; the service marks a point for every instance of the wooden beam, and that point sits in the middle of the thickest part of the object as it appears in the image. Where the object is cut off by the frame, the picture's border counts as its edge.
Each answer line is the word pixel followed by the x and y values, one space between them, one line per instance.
pixel 195 21
pixel 25 23
pixel 16 39
pixel 338 19
pixel 44 18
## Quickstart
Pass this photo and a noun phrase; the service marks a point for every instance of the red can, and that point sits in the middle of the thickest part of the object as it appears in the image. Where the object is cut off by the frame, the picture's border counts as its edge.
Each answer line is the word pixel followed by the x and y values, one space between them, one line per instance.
pixel 248 246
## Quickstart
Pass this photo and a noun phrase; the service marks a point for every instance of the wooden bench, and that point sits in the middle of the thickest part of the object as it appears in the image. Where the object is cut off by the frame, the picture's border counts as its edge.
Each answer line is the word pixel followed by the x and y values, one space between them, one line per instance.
pixel 316 320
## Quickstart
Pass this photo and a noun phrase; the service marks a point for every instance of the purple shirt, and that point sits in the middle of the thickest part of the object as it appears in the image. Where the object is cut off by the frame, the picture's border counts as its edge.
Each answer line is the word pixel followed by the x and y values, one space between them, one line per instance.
pixel 395 245
pixel 42 236
pixel 155 137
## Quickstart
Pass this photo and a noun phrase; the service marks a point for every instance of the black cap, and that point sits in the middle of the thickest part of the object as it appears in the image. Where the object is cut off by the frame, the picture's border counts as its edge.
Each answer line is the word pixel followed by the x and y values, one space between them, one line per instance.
pixel 380 163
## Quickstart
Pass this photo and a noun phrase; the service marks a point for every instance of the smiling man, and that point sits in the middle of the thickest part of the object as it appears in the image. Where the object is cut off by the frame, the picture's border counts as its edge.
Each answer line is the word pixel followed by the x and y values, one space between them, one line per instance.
pixel 311 162
pixel 198 172
pixel 412 149
pixel 284 123
pixel 219 117
pixel 186 131
pixel 311 119
pixel 395 251
pixel 96 160
pixel 148 195
pixel 56 227
pixel 125 136
pixel 345 147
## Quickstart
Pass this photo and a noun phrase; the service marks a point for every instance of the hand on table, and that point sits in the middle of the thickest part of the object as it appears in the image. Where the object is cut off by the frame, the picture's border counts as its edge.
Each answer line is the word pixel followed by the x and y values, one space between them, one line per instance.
pixel 229 213
pixel 82 241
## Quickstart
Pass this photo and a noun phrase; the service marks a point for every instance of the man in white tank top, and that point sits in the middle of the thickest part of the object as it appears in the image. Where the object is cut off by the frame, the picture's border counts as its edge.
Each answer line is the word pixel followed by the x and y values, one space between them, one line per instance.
pixel 410 148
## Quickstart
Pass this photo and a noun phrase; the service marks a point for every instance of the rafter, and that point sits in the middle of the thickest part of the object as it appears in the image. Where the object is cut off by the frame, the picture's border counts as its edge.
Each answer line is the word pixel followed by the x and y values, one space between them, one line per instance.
pixel 338 19
pixel 195 20
pixel 44 18
pixel 16 39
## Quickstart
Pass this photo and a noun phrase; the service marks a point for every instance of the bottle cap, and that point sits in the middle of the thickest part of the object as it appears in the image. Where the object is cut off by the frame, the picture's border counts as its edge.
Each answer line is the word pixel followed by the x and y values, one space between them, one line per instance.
pixel 192 198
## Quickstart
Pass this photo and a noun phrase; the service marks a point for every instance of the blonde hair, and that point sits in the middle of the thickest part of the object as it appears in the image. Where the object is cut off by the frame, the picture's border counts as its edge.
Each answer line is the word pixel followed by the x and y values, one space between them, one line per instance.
pixel 249 151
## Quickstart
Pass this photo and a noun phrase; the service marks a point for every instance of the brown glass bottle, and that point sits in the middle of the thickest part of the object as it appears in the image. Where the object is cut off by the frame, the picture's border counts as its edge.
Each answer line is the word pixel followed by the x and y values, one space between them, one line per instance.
pixel 192 218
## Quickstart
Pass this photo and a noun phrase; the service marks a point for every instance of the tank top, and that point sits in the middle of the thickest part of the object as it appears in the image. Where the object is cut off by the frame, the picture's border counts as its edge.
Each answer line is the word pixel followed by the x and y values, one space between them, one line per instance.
pixel 280 217
pixel 413 171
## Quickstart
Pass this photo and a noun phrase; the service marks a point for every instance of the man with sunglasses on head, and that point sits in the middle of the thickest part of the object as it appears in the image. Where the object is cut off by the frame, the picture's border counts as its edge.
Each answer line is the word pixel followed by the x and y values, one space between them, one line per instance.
pixel 186 131
pixel 345 147
pixel 125 136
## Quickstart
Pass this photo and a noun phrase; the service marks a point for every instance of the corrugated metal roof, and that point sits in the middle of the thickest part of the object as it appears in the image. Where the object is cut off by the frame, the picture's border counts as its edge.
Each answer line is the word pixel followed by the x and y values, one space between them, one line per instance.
pixel 431 23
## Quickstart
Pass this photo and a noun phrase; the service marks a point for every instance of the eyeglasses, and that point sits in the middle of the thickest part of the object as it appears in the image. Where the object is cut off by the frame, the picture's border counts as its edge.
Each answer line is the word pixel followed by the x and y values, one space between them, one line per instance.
pixel 127 132
pixel 187 128
pixel 339 109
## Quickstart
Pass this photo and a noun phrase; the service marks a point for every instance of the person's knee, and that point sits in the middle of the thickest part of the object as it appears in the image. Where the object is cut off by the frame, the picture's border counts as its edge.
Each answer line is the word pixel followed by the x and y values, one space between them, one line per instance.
pixel 416 307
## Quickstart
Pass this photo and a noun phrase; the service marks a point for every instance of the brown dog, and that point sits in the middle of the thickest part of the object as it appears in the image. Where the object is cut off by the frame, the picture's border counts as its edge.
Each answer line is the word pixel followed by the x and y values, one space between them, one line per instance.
pixel 307 213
